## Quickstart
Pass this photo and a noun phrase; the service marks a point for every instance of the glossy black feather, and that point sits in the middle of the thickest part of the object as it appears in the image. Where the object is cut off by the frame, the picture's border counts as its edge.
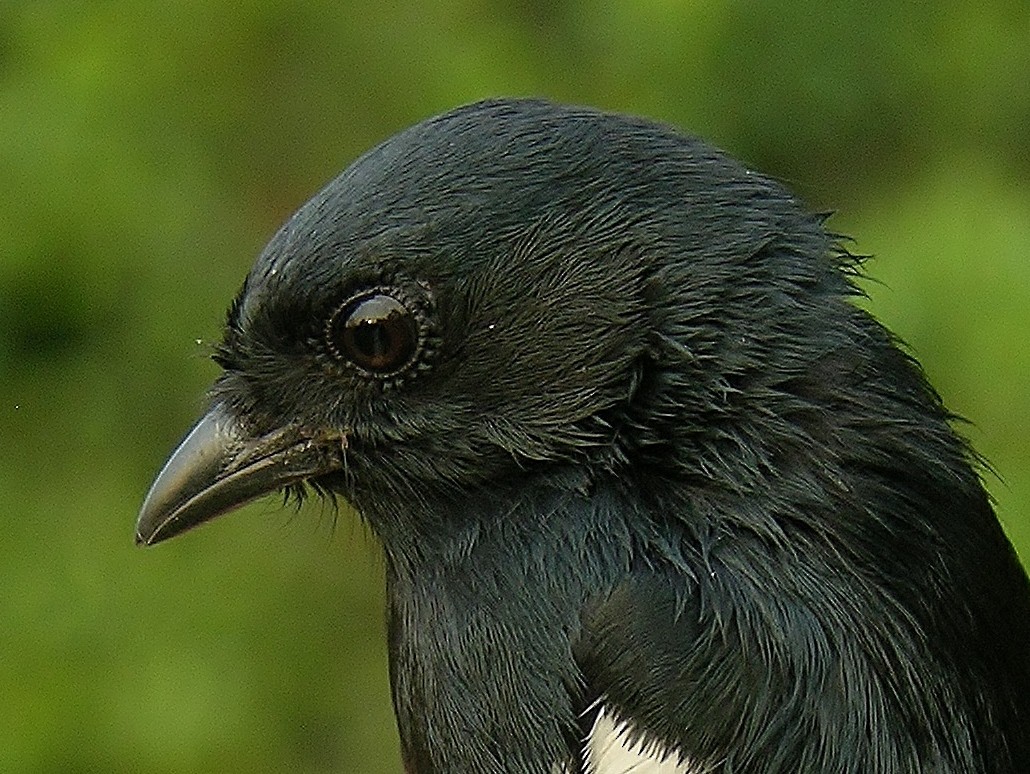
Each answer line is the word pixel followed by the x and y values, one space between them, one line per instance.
pixel 650 452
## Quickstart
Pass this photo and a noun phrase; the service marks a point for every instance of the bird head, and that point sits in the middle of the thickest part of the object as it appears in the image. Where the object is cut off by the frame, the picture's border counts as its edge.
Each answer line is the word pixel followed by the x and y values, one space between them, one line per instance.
pixel 456 305
pixel 485 293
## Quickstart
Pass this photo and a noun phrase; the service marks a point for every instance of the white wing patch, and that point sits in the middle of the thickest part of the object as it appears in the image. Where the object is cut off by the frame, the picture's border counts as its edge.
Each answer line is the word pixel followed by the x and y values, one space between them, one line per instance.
pixel 609 751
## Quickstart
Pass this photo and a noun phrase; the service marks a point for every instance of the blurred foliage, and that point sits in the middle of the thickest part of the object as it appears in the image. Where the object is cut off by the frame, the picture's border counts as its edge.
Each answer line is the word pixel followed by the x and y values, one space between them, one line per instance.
pixel 147 150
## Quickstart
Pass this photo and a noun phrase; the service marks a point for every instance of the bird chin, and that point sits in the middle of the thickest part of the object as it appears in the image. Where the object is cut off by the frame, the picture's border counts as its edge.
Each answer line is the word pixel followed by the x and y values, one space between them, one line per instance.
pixel 220 466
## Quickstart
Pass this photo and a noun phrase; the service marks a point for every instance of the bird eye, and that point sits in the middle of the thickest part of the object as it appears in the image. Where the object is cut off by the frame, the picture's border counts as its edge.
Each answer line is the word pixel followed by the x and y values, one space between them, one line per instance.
pixel 376 332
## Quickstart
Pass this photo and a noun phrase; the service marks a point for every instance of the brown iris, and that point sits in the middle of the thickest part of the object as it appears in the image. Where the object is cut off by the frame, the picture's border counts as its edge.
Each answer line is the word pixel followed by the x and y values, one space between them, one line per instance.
pixel 374 331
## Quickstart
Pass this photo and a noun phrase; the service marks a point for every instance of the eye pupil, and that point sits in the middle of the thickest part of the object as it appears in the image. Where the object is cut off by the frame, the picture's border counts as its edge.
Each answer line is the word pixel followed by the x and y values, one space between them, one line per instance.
pixel 375 332
pixel 374 343
pixel 372 340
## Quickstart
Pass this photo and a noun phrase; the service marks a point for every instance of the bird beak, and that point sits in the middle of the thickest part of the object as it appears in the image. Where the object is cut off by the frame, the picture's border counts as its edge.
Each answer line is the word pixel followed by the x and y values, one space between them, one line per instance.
pixel 219 466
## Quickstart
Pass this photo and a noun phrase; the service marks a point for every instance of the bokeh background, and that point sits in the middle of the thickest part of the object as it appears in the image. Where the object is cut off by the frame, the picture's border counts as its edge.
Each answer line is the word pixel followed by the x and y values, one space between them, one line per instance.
pixel 148 150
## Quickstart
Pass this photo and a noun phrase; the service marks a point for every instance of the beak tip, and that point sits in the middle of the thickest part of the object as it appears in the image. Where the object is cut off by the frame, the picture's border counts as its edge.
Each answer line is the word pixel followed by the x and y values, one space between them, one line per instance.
pixel 191 471
pixel 151 531
pixel 145 534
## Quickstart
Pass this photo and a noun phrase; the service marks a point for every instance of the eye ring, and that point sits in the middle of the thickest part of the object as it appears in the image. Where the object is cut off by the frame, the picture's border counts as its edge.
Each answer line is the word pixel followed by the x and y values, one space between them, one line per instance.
pixel 377 331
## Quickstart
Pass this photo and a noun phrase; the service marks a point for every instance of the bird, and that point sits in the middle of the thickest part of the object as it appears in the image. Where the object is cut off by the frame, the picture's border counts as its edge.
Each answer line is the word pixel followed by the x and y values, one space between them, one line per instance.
pixel 653 491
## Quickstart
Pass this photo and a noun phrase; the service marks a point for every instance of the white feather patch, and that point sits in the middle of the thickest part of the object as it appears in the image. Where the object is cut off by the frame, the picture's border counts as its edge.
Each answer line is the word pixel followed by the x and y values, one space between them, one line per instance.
pixel 609 751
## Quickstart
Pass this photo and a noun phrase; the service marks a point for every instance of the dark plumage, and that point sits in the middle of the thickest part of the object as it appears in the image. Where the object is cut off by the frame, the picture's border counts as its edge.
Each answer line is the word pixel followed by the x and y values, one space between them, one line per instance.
pixel 602 393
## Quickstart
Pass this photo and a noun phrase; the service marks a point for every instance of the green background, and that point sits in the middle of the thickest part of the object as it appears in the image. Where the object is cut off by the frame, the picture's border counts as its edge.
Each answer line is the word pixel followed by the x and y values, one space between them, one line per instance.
pixel 147 151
